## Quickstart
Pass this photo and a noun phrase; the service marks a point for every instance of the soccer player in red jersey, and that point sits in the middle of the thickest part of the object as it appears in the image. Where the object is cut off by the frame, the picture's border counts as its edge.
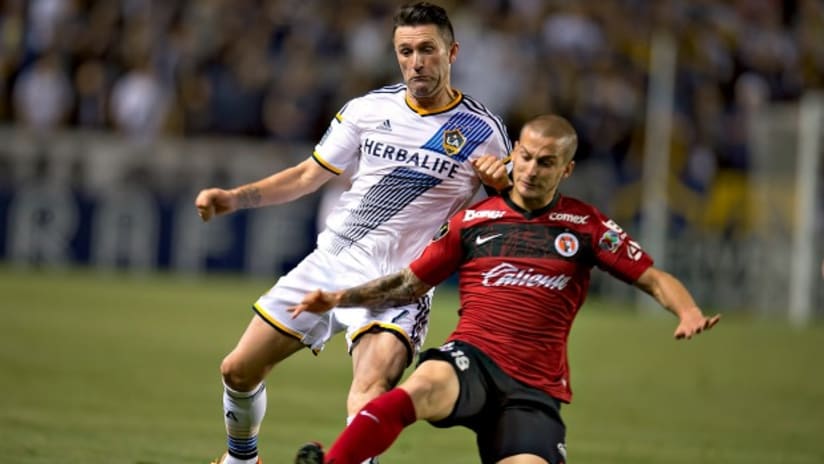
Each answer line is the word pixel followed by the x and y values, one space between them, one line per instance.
pixel 418 152
pixel 524 260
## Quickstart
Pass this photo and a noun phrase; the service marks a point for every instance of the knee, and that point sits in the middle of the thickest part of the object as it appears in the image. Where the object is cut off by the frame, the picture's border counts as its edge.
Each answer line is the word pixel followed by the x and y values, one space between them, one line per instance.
pixel 373 381
pixel 364 390
pixel 238 376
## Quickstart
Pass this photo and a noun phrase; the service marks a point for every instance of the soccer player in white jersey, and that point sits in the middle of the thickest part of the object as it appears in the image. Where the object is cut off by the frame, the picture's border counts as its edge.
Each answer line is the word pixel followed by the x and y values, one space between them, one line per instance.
pixel 421 151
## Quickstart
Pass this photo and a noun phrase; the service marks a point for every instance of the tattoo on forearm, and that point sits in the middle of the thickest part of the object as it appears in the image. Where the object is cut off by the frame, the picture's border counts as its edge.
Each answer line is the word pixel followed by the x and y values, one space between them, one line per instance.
pixel 248 197
pixel 386 292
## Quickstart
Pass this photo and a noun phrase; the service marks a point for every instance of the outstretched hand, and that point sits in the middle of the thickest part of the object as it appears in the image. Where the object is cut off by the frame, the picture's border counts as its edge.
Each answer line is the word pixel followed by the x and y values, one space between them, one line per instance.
pixel 317 301
pixel 694 324
pixel 212 202
pixel 492 172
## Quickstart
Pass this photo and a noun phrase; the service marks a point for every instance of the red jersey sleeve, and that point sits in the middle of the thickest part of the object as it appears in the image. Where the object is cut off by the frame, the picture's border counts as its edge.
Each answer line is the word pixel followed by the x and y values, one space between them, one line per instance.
pixel 617 253
pixel 442 256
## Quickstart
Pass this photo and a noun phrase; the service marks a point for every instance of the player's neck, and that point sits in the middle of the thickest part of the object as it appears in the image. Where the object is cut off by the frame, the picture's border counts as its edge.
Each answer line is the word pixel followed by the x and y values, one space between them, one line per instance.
pixel 440 101
pixel 530 205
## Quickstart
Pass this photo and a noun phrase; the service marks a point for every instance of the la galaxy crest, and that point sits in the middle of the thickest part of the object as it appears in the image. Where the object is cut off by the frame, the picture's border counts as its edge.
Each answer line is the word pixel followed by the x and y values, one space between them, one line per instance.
pixel 453 141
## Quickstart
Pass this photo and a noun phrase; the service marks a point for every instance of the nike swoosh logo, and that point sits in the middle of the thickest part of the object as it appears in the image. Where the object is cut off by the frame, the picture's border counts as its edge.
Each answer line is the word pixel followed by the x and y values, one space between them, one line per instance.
pixel 481 240
pixel 370 415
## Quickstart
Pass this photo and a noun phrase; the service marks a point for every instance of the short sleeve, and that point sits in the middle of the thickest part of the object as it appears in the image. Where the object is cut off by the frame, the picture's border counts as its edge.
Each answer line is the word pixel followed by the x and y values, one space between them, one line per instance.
pixel 498 144
pixel 340 144
pixel 617 253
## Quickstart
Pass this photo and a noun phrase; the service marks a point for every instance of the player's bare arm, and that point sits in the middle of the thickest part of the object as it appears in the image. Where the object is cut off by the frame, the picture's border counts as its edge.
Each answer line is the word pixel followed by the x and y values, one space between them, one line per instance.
pixel 281 187
pixel 670 293
pixel 248 197
pixel 492 172
pixel 401 288
pixel 398 289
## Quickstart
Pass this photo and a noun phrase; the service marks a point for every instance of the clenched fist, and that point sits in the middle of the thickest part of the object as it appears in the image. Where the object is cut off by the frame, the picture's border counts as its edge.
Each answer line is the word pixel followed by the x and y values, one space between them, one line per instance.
pixel 213 202
pixel 492 172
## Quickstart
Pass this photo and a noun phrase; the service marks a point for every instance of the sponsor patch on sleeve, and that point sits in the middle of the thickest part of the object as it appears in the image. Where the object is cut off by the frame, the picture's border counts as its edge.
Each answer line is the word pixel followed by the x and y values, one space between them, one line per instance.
pixel 634 251
pixel 610 241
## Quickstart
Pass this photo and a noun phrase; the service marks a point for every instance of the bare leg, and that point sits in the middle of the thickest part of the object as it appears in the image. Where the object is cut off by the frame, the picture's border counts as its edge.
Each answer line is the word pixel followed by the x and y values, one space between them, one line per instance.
pixel 429 393
pixel 523 459
pixel 434 390
pixel 244 396
pixel 260 347
pixel 378 362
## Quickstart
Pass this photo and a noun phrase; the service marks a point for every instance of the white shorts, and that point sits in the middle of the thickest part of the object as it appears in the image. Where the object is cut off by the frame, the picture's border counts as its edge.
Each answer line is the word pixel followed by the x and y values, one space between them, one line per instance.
pixel 321 270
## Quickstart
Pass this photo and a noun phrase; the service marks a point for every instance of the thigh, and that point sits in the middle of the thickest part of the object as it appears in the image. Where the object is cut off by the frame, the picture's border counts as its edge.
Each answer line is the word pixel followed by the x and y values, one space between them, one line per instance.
pixel 258 350
pixel 316 271
pixel 473 386
pixel 409 323
pixel 523 459
pixel 522 432
pixel 434 389
pixel 379 358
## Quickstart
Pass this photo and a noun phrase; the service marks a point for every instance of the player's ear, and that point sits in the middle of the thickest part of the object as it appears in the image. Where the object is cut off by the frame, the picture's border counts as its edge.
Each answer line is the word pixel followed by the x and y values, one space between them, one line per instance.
pixel 569 168
pixel 453 52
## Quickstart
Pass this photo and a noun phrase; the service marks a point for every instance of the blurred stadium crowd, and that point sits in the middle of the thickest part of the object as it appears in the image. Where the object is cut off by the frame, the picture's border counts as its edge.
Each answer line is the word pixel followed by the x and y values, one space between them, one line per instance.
pixel 280 69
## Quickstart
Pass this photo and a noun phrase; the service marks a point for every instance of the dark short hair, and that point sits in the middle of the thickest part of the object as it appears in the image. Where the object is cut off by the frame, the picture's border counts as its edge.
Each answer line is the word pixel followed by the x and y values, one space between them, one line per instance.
pixel 421 13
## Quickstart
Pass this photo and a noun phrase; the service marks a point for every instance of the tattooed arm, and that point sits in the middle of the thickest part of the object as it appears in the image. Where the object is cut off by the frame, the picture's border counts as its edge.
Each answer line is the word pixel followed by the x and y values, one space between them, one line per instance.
pixel 281 187
pixel 384 292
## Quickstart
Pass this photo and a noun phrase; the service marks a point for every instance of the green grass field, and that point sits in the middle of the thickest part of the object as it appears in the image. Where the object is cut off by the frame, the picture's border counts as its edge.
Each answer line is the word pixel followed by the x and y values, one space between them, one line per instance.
pixel 99 368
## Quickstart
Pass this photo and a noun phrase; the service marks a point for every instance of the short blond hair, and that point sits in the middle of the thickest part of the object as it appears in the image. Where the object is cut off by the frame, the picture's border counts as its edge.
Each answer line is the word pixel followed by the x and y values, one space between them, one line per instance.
pixel 556 127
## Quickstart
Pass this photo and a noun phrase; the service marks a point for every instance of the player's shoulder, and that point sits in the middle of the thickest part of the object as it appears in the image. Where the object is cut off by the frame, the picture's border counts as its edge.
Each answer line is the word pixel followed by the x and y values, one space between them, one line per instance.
pixel 476 107
pixel 487 209
pixel 575 213
pixel 572 204
pixel 472 104
pixel 387 92
pixel 377 98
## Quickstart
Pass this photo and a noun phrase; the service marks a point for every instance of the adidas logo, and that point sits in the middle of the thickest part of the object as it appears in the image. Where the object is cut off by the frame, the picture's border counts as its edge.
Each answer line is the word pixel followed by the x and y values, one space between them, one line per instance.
pixel 384 126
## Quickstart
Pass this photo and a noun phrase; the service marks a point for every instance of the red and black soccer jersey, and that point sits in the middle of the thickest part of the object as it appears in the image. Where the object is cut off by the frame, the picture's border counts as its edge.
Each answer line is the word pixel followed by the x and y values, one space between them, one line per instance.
pixel 523 277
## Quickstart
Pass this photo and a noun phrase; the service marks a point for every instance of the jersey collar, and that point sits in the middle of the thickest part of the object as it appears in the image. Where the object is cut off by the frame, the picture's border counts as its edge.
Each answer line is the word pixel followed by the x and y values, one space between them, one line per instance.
pixel 424 112
pixel 531 214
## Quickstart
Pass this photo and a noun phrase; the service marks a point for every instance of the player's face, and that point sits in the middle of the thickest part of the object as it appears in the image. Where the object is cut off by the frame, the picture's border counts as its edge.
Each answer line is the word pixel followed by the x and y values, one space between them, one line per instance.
pixel 425 60
pixel 539 165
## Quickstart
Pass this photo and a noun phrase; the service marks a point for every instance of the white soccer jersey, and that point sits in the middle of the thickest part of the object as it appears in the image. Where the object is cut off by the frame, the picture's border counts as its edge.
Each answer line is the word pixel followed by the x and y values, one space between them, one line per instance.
pixel 414 171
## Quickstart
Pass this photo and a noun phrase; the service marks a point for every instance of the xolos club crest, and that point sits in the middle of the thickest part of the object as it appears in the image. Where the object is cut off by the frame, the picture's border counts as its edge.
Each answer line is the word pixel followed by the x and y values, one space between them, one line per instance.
pixel 566 244
pixel 453 141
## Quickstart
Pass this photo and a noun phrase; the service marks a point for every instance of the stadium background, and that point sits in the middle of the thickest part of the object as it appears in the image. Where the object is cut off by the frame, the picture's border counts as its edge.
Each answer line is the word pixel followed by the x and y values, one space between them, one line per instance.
pixel 116 303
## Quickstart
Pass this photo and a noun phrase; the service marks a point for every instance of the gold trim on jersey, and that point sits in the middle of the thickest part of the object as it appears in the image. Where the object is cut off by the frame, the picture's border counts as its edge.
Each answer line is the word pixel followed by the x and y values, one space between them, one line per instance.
pixel 265 315
pixel 386 326
pixel 425 112
pixel 324 164
pixel 339 117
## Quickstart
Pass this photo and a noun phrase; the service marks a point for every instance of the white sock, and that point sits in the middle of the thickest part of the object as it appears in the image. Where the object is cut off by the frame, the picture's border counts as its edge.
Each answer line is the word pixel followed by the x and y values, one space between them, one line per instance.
pixel 373 460
pixel 243 412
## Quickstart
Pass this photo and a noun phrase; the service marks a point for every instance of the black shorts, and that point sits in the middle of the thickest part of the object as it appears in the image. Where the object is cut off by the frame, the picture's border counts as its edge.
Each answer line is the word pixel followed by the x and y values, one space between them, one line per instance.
pixel 507 416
